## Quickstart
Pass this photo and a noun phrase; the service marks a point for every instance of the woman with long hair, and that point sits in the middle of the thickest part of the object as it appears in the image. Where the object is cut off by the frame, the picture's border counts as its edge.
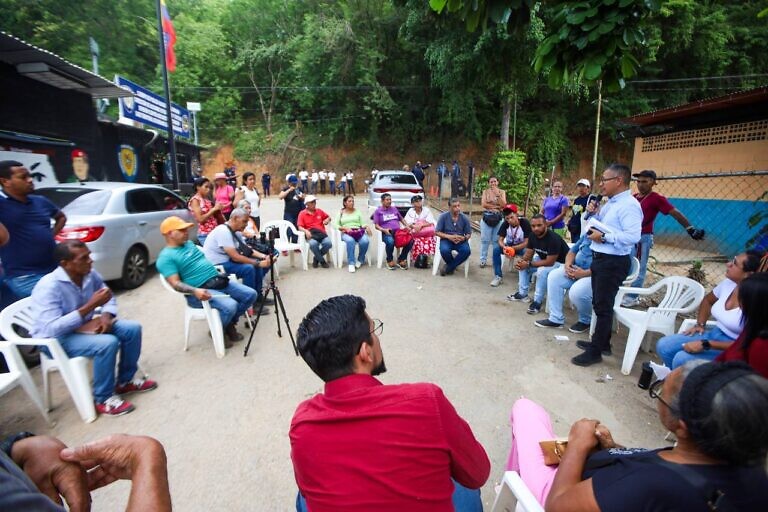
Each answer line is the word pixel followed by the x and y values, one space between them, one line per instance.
pixel 249 193
pixel 492 202
pixel 354 232
pixel 205 212
pixel 752 344
pixel 722 303
pixel 555 207
pixel 223 194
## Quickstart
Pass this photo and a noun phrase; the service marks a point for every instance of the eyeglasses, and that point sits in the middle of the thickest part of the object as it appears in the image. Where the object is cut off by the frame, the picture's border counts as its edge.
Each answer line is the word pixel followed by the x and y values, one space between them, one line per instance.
pixel 655 392
pixel 735 262
pixel 603 179
pixel 378 327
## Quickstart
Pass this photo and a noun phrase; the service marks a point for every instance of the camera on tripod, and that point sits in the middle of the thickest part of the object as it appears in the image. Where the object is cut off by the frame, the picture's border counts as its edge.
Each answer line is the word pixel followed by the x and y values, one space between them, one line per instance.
pixel 265 243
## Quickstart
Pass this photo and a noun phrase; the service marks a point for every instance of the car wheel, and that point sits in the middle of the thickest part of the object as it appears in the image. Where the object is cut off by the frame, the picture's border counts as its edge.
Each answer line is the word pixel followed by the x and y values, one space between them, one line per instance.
pixel 134 268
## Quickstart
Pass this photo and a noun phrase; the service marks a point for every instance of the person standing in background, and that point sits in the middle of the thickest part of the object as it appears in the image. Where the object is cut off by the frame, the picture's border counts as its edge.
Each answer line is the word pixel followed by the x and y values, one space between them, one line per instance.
pixel 578 208
pixel 555 207
pixel 266 183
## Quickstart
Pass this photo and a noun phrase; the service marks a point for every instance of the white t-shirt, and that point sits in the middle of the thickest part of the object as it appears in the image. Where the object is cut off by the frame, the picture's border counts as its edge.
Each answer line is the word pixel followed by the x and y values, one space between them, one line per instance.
pixel 331 176
pixel 303 175
pixel 426 215
pixel 323 175
pixel 343 178
pixel 728 320
pixel 315 177
pixel 350 176
pixel 252 196
pixel 217 239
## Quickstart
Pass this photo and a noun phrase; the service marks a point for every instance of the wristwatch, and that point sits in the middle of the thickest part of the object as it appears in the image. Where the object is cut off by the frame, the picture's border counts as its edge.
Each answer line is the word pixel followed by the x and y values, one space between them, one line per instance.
pixel 706 344
pixel 602 238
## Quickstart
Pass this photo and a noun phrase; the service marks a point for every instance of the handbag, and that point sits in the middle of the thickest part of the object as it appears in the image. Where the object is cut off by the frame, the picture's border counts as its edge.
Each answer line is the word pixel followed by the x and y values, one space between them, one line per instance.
pixel 218 282
pixel 356 233
pixel 491 218
pixel 403 237
pixel 553 450
pixel 421 261
pixel 317 234
pixel 425 231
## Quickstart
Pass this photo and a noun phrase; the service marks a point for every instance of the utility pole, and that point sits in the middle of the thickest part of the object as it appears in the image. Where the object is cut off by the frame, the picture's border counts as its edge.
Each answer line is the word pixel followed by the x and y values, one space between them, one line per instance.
pixel 514 126
pixel 101 103
pixel 169 119
pixel 597 128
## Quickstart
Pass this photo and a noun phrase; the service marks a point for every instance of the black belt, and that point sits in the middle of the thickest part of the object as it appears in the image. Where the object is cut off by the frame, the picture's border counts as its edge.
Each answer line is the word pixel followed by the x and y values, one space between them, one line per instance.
pixel 599 255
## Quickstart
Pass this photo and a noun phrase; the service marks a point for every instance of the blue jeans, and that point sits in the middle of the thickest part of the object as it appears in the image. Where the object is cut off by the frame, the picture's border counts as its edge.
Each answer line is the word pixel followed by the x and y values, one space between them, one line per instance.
pixel 389 245
pixel 251 275
pixel 304 186
pixel 363 242
pixel 320 249
pixel 292 237
pixel 579 292
pixel 231 302
pixel 446 252
pixel 642 251
pixel 488 235
pixel 102 348
pixel 670 348
pixel 464 499
pixel 21 286
pixel 541 279
pixel 332 184
pixel 201 239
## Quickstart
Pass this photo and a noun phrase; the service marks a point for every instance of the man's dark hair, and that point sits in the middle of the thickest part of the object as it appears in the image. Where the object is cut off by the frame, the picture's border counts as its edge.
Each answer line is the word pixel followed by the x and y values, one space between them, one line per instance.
pixel 63 251
pixel 6 166
pixel 621 170
pixel 453 200
pixel 385 195
pixel 331 334
pixel 539 216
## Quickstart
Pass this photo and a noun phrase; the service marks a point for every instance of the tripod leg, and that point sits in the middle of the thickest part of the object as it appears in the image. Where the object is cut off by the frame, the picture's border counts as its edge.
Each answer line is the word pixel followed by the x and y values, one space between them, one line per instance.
pixel 278 301
pixel 281 307
pixel 256 322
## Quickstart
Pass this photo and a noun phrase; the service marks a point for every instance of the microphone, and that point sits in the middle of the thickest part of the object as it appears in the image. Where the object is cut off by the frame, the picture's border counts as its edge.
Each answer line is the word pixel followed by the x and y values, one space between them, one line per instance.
pixel 597 199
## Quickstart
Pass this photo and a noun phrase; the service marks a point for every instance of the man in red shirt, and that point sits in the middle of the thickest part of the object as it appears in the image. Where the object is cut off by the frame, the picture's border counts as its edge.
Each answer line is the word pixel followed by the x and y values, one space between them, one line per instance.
pixel 363 445
pixel 652 203
pixel 312 221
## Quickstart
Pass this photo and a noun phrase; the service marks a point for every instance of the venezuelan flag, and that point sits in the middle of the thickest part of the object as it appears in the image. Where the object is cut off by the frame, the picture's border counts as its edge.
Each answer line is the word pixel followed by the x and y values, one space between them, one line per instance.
pixel 169 36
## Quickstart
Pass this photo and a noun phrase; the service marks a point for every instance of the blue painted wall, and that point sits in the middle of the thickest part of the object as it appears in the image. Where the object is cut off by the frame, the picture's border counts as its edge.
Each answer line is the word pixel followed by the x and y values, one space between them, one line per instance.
pixel 725 222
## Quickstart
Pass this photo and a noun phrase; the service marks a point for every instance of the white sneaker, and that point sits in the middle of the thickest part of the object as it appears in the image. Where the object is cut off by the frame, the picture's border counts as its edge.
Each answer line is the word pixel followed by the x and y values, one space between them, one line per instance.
pixel 628 302
pixel 352 269
pixel 357 265
pixel 496 281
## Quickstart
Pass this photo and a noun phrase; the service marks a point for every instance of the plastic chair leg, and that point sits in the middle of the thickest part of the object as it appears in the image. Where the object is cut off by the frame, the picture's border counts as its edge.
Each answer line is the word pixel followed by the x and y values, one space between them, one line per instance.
pixel 76 379
pixel 634 340
pixel 187 320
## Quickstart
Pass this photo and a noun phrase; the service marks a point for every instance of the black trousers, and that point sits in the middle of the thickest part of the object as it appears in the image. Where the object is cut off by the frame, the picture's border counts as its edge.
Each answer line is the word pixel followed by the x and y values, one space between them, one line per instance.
pixel 608 272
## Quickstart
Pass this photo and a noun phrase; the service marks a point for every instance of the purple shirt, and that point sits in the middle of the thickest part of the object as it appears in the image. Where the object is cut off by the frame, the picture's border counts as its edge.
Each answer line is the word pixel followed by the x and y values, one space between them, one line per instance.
pixel 387 218
pixel 554 207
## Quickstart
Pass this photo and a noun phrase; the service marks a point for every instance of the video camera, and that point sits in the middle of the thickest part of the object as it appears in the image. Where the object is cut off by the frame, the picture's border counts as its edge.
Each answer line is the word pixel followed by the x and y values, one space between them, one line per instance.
pixel 265 243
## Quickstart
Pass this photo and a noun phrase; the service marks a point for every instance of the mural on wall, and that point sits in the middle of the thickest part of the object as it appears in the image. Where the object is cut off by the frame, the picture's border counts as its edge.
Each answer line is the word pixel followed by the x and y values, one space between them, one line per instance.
pixel 39 164
pixel 128 162
pixel 79 165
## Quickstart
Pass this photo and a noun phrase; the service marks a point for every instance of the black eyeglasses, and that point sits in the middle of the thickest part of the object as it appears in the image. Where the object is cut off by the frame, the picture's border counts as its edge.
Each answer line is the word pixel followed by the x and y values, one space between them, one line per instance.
pixel 655 392
pixel 378 327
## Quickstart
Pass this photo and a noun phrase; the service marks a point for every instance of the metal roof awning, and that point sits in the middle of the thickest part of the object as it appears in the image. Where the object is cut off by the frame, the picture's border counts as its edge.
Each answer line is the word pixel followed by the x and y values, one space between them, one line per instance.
pixel 49 68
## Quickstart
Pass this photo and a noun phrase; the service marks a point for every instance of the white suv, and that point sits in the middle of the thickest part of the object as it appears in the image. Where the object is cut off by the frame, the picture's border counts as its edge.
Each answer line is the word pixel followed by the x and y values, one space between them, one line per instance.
pixel 401 185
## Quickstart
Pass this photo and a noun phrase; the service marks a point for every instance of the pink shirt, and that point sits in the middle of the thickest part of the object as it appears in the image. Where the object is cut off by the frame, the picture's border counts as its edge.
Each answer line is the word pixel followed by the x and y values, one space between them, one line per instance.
pixel 223 196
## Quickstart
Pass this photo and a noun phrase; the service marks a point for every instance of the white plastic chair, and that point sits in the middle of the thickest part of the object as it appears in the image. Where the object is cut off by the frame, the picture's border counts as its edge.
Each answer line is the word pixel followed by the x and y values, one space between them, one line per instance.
pixel 74 370
pixel 283 243
pixel 438 258
pixel 207 313
pixel 341 248
pixel 18 375
pixel 682 296
pixel 381 249
pixel 514 495
pixel 331 252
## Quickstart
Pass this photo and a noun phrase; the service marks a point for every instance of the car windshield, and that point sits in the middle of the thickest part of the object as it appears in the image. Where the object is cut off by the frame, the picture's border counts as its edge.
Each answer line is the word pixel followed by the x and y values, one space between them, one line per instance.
pixel 77 201
pixel 396 179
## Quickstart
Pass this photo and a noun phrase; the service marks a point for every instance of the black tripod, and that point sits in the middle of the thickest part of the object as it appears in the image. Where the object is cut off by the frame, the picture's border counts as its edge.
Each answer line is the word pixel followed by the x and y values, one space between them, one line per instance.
pixel 279 307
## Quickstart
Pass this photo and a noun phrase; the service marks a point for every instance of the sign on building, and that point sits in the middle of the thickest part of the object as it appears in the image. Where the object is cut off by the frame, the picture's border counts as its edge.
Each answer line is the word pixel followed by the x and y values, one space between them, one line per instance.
pixel 147 107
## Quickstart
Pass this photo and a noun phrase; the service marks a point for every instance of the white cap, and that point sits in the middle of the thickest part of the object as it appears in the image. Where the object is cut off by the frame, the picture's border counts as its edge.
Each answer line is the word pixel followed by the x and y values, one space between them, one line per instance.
pixel 583 181
pixel 309 198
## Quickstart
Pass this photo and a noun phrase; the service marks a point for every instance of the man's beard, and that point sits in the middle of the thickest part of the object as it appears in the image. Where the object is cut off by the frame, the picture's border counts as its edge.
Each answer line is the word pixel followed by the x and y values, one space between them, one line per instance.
pixel 381 368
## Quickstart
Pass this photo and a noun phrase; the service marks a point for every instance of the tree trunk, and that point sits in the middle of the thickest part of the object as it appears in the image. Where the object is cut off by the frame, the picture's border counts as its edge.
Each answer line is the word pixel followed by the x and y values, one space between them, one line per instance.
pixel 506 109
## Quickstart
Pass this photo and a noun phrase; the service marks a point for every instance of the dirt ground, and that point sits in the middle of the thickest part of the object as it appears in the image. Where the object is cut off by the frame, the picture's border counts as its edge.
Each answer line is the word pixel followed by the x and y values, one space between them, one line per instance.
pixel 224 423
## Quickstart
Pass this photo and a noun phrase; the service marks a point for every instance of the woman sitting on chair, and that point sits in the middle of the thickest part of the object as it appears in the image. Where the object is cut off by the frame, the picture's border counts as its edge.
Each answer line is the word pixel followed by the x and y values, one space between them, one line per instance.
pixel 700 341
pixel 717 411
pixel 353 232
pixel 422 224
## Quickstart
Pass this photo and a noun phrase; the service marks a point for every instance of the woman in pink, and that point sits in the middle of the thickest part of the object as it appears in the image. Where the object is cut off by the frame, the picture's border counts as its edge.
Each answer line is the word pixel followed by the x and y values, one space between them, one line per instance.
pixel 223 194
pixel 204 211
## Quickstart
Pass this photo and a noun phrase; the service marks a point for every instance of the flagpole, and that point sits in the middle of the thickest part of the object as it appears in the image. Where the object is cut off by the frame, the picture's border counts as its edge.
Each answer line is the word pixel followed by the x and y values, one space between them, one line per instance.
pixel 171 141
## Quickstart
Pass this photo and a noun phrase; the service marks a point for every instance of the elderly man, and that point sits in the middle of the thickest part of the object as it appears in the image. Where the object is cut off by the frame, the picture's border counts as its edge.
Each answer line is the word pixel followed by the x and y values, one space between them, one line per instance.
pixel 545 252
pixel 363 445
pixel 572 278
pixel 28 255
pixel 514 233
pixel 226 246
pixel 387 220
pixel 63 305
pixel 312 221
pixel 189 272
pixel 454 230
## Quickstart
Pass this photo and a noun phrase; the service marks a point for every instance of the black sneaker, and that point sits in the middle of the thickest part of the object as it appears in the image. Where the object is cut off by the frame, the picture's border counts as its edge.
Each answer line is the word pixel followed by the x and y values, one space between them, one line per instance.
pixel 547 323
pixel 324 264
pixel 585 345
pixel 517 297
pixel 579 327
pixel 534 308
pixel 315 263
pixel 587 359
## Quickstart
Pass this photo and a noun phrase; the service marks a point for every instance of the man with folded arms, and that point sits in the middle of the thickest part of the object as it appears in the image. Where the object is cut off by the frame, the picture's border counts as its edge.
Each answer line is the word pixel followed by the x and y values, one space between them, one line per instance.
pixel 312 221
pixel 364 445
pixel 187 270
pixel 63 305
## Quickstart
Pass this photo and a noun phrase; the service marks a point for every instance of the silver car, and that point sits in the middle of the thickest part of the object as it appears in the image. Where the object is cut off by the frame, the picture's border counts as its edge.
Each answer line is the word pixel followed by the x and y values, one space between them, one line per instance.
pixel 401 185
pixel 120 223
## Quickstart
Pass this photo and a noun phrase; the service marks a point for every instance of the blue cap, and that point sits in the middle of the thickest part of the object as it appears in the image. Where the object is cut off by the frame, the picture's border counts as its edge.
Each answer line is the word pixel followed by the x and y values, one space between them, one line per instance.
pixel 293 179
